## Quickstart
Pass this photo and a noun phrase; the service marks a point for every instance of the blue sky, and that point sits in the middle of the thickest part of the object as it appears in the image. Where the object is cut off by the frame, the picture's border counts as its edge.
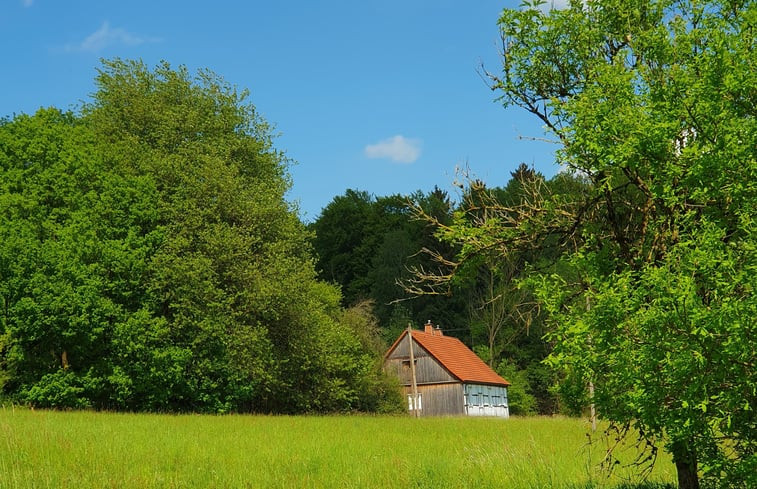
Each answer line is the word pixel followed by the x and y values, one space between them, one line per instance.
pixel 383 96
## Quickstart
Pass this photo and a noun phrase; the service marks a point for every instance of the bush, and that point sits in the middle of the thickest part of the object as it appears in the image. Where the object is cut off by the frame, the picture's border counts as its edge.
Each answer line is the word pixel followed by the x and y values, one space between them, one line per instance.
pixel 61 389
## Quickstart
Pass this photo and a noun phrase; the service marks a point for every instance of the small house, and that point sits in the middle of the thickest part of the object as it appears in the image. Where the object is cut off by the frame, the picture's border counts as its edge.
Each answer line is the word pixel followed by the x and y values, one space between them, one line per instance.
pixel 449 379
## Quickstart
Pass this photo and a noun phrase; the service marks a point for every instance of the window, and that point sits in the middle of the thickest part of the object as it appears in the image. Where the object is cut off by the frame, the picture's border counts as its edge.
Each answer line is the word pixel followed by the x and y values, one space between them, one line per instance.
pixel 406 364
pixel 418 402
pixel 474 399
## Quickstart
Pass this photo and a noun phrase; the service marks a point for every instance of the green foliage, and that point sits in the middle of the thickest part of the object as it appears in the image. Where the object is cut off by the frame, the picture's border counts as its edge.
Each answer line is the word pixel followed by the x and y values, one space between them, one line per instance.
pixel 689 317
pixel 149 260
pixel 380 392
pixel 367 245
pixel 343 241
pixel 61 389
pixel 654 103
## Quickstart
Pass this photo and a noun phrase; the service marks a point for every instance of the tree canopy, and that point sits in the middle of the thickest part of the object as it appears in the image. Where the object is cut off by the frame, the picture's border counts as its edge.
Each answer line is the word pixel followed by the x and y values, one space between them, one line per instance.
pixel 149 260
pixel 367 244
pixel 652 299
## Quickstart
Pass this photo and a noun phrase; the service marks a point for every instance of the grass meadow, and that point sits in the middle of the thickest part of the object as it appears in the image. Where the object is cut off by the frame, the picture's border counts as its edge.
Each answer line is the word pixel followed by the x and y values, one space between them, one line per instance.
pixel 51 449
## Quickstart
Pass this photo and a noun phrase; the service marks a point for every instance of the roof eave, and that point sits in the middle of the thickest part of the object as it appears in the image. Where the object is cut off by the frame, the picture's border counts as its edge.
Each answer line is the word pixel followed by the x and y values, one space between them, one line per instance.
pixel 480 382
pixel 394 345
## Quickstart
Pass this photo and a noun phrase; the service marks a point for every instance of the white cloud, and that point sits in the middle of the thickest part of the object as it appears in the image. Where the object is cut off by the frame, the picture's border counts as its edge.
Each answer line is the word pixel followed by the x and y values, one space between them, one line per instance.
pixel 397 148
pixel 554 5
pixel 28 3
pixel 107 36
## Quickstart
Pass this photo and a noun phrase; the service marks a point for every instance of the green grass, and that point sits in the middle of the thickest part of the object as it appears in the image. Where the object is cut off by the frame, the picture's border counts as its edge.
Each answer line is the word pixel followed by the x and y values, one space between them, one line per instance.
pixel 47 449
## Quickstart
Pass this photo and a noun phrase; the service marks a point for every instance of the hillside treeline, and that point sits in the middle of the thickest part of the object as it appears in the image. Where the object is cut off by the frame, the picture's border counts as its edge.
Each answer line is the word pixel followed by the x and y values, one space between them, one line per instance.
pixel 149 261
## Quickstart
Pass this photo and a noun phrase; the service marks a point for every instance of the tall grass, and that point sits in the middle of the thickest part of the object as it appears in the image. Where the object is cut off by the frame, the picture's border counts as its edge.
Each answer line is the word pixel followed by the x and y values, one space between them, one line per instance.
pixel 45 449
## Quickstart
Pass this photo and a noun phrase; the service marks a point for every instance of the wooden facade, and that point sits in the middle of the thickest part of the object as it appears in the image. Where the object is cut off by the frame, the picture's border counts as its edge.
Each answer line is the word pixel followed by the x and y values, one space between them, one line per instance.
pixel 451 380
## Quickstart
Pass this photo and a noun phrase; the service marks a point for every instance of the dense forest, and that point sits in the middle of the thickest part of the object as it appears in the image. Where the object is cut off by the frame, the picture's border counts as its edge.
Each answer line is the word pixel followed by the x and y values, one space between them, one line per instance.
pixel 150 262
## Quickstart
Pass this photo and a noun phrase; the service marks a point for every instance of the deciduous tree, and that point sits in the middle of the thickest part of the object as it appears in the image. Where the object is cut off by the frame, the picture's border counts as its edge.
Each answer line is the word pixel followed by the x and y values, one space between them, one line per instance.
pixel 654 104
pixel 150 261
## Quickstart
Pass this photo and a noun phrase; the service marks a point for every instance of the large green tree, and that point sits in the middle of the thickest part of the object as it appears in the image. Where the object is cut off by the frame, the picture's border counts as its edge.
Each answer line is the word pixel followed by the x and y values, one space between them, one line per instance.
pixel 150 261
pixel 654 103
pixel 73 240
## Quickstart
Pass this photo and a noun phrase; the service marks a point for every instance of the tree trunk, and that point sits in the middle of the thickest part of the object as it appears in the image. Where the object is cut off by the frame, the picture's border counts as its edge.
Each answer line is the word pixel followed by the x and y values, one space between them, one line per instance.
pixel 685 459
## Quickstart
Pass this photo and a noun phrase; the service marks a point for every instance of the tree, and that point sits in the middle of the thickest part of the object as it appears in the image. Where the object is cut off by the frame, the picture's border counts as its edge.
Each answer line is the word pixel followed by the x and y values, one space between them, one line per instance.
pixel 74 241
pixel 366 244
pixel 233 259
pixel 519 397
pixel 653 103
pixel 149 260
pixel 344 243
pixel 498 306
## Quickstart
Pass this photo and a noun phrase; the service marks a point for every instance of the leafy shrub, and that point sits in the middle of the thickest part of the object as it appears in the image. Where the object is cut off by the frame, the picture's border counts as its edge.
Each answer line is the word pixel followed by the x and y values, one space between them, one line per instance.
pixel 61 389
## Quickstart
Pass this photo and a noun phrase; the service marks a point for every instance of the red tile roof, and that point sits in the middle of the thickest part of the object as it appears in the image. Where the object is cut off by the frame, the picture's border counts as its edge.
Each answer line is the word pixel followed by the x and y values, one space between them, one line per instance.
pixel 457 358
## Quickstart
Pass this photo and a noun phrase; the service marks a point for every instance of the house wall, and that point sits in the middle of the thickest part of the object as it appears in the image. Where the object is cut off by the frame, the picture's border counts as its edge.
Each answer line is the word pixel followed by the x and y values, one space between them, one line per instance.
pixel 486 400
pixel 438 399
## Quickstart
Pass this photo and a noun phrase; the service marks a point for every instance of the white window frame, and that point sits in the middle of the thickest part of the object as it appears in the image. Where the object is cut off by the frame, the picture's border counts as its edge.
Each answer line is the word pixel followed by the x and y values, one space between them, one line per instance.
pixel 418 402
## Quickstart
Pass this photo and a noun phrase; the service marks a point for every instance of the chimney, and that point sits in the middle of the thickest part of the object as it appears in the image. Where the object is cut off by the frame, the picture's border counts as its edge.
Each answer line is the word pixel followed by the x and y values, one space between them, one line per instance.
pixel 429 328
